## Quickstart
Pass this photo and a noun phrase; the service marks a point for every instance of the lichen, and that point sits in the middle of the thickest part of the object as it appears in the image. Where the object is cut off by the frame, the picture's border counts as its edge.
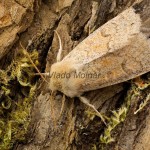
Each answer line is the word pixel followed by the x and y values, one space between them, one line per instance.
pixel 17 88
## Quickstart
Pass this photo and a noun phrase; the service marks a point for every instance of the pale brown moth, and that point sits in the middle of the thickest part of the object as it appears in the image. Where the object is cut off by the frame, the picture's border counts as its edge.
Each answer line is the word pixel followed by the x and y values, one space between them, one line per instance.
pixel 116 52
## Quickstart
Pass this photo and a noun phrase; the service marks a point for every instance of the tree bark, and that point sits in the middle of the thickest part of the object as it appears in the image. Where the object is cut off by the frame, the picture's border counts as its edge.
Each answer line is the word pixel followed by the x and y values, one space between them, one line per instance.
pixel 32 23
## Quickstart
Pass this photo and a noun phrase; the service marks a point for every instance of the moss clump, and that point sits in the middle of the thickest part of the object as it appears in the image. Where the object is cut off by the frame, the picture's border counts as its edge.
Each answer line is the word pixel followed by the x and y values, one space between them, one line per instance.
pixel 118 116
pixel 143 104
pixel 17 86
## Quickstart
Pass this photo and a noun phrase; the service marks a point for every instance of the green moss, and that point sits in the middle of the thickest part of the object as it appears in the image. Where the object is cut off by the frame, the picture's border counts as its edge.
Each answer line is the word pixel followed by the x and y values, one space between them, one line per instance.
pixel 141 86
pixel 143 104
pixel 17 88
pixel 118 116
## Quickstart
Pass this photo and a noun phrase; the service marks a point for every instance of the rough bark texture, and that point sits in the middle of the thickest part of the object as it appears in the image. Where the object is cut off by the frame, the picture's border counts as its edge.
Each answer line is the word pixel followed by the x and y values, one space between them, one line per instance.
pixel 32 23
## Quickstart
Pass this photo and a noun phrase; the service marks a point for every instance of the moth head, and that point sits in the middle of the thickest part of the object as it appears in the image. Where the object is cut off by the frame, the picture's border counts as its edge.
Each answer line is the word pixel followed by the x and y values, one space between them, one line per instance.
pixel 55 83
pixel 58 76
pixel 62 79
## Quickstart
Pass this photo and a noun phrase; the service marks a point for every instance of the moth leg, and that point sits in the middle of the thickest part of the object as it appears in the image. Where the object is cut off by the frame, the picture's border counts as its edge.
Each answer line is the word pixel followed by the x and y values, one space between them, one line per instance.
pixel 146 30
pixel 85 101
pixel 52 95
pixel 62 105
pixel 60 47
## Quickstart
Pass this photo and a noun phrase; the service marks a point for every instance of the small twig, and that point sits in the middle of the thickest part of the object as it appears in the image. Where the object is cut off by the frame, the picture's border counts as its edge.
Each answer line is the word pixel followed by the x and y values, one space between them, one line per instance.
pixel 33 63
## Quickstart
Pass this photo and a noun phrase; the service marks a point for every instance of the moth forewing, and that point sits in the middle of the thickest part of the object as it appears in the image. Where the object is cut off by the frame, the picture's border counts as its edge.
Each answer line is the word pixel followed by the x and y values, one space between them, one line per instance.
pixel 119 66
pixel 112 36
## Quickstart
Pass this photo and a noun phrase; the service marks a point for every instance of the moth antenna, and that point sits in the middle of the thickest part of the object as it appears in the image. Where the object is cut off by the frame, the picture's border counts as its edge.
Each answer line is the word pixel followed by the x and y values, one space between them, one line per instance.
pixel 60 47
pixel 89 30
pixel 45 74
pixel 33 63
pixel 85 101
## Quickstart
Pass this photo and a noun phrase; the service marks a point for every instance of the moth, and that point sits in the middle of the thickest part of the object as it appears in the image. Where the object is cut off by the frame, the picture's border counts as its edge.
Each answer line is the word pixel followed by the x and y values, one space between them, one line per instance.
pixel 116 52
